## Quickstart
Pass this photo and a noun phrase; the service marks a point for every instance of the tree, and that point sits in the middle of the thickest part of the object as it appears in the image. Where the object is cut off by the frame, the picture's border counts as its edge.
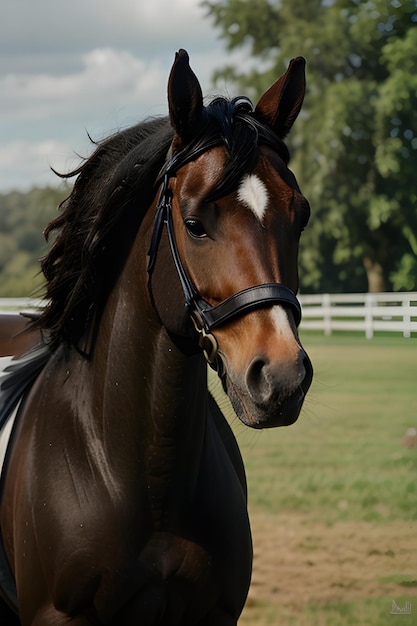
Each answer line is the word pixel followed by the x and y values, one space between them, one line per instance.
pixel 355 145
pixel 23 216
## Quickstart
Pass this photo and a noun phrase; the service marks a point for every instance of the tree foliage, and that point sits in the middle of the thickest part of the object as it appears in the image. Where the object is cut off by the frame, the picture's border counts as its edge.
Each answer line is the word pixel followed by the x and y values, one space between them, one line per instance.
pixel 355 145
pixel 23 216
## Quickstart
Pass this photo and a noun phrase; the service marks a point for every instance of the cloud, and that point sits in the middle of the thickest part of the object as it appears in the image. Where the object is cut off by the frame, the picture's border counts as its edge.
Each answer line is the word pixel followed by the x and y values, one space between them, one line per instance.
pixel 47 116
pixel 106 76
pixel 68 68
pixel 70 61
pixel 139 25
pixel 24 164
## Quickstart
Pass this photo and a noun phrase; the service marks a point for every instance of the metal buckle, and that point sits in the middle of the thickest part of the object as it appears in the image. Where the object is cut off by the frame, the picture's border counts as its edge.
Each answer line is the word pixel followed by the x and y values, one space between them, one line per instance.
pixel 206 340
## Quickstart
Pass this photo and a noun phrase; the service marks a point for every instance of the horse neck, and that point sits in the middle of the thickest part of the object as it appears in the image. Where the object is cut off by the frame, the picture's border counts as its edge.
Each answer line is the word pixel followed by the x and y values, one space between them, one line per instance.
pixel 146 387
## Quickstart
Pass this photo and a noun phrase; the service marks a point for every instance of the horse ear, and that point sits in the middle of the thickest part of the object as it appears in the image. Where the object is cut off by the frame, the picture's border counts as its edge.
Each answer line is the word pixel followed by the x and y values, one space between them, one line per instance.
pixel 185 99
pixel 281 104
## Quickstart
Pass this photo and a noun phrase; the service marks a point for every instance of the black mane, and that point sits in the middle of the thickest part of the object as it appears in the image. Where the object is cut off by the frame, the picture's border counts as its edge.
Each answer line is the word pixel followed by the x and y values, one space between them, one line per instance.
pixel 113 190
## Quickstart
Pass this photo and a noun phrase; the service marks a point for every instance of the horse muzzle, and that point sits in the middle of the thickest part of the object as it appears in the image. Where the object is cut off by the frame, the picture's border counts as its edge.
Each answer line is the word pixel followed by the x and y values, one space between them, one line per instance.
pixel 269 393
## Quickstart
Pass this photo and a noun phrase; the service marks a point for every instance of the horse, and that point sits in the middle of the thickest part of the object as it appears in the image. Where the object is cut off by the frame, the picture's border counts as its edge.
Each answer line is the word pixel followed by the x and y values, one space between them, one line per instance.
pixel 124 497
pixel 16 335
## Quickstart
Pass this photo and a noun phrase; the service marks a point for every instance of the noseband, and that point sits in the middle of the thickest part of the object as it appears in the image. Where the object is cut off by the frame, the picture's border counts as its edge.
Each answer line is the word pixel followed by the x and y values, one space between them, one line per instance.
pixel 204 316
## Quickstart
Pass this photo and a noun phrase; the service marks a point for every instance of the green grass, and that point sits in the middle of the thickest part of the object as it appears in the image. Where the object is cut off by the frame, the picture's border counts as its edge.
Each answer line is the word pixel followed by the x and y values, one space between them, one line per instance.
pixel 372 612
pixel 401 579
pixel 343 459
pixel 343 465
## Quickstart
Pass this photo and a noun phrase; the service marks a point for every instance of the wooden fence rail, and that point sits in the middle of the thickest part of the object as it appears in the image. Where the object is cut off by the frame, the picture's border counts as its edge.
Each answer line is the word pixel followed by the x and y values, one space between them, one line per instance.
pixel 365 312
pixel 15 305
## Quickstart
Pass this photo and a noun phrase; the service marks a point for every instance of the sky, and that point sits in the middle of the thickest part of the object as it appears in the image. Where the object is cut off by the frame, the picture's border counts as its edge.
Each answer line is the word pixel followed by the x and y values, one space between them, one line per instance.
pixel 69 69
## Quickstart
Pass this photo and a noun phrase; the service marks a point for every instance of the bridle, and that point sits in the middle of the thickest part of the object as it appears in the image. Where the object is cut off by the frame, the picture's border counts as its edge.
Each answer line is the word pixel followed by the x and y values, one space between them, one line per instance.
pixel 204 316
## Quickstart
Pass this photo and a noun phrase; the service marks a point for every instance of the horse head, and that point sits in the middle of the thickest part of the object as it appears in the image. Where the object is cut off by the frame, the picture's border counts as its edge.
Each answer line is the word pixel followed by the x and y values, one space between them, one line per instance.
pixel 235 216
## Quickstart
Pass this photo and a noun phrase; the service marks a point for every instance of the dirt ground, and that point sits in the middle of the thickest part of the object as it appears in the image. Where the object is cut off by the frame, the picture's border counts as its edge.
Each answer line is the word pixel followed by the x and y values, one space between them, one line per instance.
pixel 296 563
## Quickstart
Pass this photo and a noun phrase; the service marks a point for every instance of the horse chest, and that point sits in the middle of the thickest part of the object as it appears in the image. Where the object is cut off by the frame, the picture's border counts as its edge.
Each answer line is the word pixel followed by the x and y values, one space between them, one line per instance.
pixel 184 536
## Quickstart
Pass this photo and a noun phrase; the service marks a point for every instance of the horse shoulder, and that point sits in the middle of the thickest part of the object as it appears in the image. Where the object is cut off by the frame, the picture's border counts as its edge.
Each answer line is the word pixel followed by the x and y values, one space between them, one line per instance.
pixel 229 441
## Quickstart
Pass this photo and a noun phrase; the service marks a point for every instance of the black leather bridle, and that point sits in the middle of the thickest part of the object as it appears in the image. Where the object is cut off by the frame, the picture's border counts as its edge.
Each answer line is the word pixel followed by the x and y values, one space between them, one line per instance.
pixel 204 316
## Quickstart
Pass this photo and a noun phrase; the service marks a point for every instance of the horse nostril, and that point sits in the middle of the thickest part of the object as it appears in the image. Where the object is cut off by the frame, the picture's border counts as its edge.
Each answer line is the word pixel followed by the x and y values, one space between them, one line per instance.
pixel 266 381
pixel 258 380
pixel 307 373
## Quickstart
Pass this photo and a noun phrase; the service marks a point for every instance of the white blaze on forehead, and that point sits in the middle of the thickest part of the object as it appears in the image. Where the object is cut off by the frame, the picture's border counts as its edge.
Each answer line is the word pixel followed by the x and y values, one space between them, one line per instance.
pixel 281 322
pixel 253 194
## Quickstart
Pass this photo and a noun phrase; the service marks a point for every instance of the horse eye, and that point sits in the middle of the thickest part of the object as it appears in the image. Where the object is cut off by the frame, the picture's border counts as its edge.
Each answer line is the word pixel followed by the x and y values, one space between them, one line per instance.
pixel 195 227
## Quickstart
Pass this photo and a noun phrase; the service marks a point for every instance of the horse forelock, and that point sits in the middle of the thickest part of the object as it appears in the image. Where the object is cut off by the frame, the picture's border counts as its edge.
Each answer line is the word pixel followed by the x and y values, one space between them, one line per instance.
pixel 241 133
pixel 113 190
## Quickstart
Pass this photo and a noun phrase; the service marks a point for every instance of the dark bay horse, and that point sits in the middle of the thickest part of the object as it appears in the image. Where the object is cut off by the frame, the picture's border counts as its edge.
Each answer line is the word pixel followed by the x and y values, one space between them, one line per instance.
pixel 16 334
pixel 124 495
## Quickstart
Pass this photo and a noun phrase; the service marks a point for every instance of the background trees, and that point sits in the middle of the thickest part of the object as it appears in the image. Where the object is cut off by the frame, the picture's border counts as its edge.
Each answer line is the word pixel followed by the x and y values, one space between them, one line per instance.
pixel 355 145
pixel 23 216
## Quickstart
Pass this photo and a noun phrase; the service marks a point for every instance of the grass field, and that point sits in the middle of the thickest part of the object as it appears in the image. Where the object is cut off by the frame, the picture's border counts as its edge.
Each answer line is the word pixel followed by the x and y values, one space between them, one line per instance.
pixel 333 498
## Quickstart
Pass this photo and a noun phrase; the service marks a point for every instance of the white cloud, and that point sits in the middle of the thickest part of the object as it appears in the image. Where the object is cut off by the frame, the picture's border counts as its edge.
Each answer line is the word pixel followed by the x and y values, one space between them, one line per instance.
pixel 140 25
pixel 106 77
pixel 22 161
pixel 71 68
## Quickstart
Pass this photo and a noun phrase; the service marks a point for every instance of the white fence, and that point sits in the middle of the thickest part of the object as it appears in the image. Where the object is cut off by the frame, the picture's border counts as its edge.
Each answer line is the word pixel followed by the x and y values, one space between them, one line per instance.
pixel 15 305
pixel 365 312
